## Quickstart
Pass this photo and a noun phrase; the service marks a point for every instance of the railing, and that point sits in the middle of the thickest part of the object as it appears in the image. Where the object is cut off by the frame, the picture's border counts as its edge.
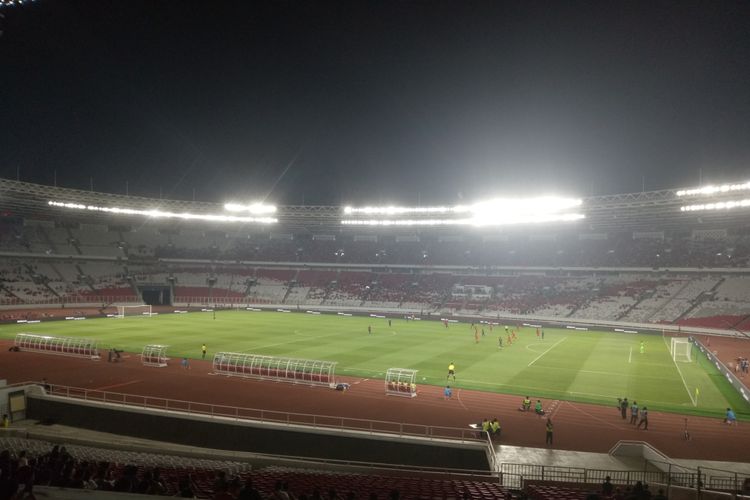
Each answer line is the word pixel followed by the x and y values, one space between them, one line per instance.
pixel 72 299
pixel 511 475
pixel 236 413
pixel 670 474
pixel 205 301
pixel 702 478
pixel 515 475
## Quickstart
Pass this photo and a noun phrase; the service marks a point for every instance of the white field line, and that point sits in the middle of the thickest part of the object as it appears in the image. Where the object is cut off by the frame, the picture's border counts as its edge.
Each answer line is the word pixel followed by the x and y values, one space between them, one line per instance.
pixel 690 395
pixel 671 356
pixel 528 347
pixel 630 356
pixel 545 352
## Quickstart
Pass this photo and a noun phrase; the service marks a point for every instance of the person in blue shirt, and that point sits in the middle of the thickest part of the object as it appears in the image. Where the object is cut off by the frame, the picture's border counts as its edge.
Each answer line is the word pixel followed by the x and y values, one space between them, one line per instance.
pixel 731 418
pixel 447 392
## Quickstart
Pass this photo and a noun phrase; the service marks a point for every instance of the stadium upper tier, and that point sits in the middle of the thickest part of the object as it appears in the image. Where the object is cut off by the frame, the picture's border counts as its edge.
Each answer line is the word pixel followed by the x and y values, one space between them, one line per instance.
pixel 646 211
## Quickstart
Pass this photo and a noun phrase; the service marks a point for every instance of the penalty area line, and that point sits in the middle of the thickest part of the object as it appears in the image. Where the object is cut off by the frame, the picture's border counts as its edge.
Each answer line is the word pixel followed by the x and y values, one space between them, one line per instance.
pixel 545 352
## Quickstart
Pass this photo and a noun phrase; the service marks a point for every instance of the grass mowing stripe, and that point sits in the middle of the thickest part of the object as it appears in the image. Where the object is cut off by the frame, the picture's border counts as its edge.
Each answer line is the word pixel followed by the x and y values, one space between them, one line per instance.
pixel 596 372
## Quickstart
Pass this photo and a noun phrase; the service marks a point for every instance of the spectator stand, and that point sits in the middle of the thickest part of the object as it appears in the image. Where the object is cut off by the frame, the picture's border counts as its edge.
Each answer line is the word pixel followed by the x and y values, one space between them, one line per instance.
pixel 155 355
pixel 297 371
pixel 401 382
pixel 66 346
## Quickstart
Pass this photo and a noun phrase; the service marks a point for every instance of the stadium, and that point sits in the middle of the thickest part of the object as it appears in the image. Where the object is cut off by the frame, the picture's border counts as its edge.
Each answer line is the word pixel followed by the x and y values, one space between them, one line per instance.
pixel 111 298
pixel 374 250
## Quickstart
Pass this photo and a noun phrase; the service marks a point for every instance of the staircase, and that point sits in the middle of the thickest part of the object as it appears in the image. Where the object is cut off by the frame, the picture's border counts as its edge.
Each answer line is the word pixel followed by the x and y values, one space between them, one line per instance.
pixel 640 299
pixel 700 300
pixel 289 287
pixel 40 231
pixel 669 301
pixel 73 241
pixel 10 293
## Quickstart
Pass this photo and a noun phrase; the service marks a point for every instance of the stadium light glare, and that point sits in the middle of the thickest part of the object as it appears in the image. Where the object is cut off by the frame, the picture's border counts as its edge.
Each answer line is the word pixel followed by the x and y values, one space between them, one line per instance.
pixel 722 189
pixel 161 214
pixel 253 208
pixel 478 221
pixel 391 210
pixel 13 3
pixel 494 212
pixel 541 204
pixel 719 205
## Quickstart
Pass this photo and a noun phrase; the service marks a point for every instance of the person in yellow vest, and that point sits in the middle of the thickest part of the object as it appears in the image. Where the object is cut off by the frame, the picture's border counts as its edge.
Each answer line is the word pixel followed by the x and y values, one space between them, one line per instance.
pixel 451 371
pixel 485 426
pixel 495 427
pixel 5 422
pixel 526 404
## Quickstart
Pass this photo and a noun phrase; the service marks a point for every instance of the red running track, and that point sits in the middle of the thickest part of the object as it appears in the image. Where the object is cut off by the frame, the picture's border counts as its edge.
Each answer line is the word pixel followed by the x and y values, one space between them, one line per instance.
pixel 581 427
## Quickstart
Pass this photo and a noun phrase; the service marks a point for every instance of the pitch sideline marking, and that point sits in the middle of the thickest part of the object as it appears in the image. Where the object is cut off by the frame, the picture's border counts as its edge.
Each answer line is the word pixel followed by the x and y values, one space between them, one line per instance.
pixel 692 400
pixel 671 356
pixel 545 352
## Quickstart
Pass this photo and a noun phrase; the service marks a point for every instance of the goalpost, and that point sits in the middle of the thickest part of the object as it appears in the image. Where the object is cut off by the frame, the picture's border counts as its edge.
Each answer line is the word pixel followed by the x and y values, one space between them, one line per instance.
pixel 129 311
pixel 681 349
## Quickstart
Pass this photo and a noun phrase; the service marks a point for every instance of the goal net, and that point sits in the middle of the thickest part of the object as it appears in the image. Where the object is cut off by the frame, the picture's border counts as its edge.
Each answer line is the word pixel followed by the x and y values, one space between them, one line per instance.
pixel 129 311
pixel 681 349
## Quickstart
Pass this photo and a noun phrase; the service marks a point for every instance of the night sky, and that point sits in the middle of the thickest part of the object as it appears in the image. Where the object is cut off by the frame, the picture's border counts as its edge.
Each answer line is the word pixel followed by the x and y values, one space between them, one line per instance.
pixel 372 102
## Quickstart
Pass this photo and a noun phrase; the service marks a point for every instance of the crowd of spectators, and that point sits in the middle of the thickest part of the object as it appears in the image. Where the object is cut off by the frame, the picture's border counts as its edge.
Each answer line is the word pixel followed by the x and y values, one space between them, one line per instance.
pixel 21 471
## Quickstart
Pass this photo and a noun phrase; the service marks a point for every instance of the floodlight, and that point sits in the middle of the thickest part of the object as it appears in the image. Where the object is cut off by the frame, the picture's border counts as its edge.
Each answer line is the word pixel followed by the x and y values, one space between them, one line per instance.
pixel 253 208
pixel 156 213
pixel 391 210
pixel 13 3
pixel 722 189
pixel 719 205
pixel 494 212
pixel 476 221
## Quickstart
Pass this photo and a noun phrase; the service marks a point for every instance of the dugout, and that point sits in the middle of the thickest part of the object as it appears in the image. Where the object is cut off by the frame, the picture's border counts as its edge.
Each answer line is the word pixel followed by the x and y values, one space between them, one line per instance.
pixel 65 346
pixel 401 382
pixel 154 355
pixel 294 370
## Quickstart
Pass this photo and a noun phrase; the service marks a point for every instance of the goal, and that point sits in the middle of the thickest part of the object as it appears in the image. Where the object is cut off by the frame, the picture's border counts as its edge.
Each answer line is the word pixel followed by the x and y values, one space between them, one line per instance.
pixel 128 311
pixel 681 349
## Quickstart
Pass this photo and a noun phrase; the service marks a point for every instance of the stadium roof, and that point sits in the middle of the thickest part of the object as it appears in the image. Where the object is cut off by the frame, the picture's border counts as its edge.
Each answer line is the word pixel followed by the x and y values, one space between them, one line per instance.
pixel 649 210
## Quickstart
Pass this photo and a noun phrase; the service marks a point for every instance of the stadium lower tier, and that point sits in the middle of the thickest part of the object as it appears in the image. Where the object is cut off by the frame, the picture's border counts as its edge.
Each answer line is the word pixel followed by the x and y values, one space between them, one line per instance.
pixel 691 297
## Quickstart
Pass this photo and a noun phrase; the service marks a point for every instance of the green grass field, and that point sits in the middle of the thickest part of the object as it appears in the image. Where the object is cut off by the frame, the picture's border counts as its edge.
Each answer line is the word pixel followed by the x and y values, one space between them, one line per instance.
pixel 590 366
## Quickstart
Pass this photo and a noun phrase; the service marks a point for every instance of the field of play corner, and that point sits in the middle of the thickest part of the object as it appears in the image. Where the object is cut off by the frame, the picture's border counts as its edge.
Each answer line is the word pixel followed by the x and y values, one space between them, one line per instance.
pixel 551 364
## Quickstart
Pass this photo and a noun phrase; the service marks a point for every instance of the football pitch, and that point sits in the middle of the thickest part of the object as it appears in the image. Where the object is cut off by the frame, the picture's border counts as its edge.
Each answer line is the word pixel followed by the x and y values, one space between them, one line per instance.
pixel 587 366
